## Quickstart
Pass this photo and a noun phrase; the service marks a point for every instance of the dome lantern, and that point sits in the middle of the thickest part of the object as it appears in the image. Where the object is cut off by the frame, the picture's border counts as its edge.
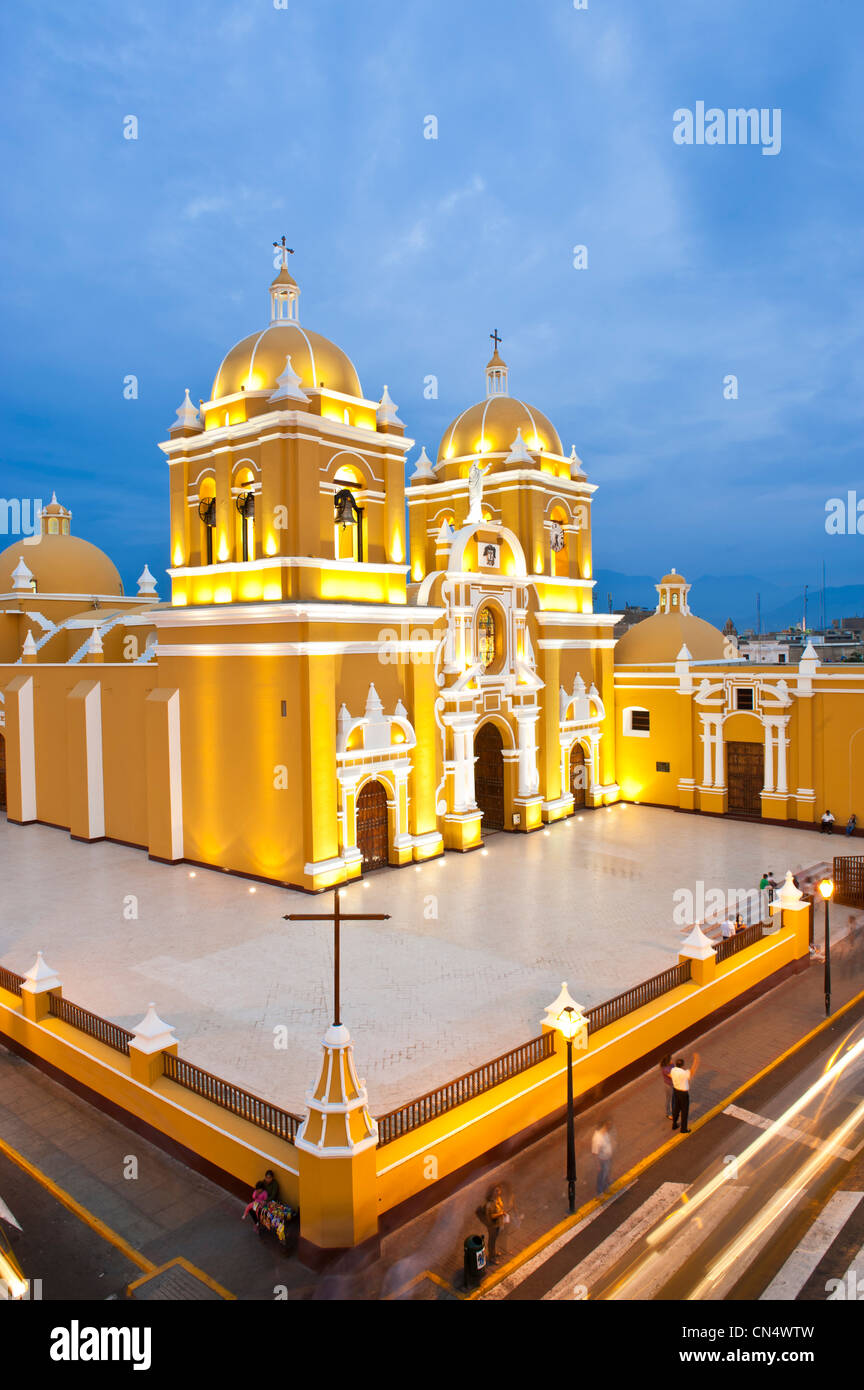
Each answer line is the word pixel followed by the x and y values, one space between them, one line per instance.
pixel 673 590
pixel 284 290
pixel 496 370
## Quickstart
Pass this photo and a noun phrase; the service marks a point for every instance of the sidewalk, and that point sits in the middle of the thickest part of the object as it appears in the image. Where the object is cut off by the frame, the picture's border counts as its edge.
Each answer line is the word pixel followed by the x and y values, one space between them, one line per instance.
pixel 169 1210
pixel 428 1250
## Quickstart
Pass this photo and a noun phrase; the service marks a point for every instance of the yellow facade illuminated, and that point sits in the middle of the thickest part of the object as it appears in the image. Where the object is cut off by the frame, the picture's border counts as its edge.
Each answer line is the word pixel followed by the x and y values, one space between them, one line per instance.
pixel 351 669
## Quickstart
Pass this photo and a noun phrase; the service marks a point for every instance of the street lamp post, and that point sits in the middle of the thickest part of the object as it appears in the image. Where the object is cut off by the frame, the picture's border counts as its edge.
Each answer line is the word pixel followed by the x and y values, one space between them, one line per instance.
pixel 567 1022
pixel 826 888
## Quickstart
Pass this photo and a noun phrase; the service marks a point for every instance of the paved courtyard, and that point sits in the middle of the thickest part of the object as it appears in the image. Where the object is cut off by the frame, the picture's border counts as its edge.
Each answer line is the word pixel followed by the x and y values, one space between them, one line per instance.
pixel 476 947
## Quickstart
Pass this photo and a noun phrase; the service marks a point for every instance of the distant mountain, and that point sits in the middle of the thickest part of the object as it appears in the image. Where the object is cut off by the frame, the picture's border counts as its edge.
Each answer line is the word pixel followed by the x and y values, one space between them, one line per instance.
pixel 718 597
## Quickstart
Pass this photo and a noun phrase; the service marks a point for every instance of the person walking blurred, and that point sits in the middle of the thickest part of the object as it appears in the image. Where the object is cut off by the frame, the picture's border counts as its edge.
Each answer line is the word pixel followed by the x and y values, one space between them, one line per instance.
pixel 603 1148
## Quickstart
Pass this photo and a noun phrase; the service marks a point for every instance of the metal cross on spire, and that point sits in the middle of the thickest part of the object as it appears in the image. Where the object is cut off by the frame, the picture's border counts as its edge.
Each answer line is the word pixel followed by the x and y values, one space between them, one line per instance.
pixel 495 339
pixel 285 250
pixel 337 917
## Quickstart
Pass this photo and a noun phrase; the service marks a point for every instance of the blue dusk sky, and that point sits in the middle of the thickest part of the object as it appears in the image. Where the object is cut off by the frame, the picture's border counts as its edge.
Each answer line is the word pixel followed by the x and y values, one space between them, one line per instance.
pixel 555 130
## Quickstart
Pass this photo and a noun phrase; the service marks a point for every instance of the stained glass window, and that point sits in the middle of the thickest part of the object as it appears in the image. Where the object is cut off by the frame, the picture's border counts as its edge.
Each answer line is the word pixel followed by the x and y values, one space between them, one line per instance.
pixel 486 637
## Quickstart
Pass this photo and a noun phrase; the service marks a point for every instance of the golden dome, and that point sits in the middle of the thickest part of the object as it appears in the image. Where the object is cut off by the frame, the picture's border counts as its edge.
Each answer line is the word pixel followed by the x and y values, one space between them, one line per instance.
pixel 61 565
pixel 490 426
pixel 660 638
pixel 256 362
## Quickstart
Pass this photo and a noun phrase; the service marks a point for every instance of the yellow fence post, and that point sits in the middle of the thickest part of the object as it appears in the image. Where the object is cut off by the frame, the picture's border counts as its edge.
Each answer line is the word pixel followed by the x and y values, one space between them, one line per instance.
pixel 153 1038
pixel 790 909
pixel 703 958
pixel 336 1151
pixel 40 983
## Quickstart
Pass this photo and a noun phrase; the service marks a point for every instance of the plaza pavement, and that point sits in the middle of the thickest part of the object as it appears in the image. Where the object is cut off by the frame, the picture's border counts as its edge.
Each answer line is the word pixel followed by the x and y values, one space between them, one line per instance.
pixel 170 1211
pixel 476 947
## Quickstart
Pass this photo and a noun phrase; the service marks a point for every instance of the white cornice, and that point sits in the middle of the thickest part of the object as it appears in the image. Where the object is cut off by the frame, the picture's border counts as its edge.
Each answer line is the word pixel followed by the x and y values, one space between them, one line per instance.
pixel 424 646
pixel 555 617
pixel 278 423
pixel 243 614
pixel 568 644
pixel 500 482
pixel 285 562
pixel 132 600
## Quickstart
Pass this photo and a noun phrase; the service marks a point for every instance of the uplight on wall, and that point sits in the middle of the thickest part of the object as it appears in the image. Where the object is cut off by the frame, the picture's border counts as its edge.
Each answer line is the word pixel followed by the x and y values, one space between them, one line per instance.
pixel 270 546
pixel 223 549
pixel 178 557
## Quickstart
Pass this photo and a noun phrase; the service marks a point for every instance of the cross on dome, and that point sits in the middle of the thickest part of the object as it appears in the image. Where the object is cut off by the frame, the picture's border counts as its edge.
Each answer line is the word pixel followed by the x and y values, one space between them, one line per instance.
pixel 284 250
pixel 496 369
pixel 284 290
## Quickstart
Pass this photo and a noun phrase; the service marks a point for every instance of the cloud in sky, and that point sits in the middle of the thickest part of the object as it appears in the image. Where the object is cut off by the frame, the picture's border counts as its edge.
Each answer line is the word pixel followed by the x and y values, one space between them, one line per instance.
pixel 554 130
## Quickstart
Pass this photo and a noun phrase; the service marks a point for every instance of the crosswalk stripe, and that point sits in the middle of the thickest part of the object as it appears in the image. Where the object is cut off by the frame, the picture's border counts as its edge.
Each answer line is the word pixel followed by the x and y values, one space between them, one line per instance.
pixel 661 1263
pixel 786 1131
pixel 6 1215
pixel 524 1271
pixel 638 1222
pixel 790 1280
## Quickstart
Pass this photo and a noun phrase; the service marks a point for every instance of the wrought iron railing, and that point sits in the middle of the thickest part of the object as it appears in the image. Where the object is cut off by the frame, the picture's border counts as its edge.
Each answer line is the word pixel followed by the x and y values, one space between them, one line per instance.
pixel 848 873
pixel 603 1014
pixel 111 1034
pixel 733 944
pixel 230 1097
pixel 466 1087
pixel 9 980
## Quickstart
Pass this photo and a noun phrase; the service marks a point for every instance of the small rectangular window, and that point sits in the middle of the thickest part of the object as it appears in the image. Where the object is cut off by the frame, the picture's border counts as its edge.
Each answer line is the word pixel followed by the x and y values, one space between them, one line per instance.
pixel 640 721
pixel 744 697
pixel 284 709
pixel 663 767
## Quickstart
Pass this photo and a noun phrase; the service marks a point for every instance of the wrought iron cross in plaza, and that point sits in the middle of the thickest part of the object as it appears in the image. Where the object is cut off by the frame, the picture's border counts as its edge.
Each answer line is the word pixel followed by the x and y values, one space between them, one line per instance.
pixel 285 249
pixel 337 917
pixel 495 339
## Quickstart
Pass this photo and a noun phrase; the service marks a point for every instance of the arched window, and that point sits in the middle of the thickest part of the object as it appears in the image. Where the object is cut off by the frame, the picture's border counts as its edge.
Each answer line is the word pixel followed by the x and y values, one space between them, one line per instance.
pixel 490 639
pixel 348 518
pixel 558 543
pixel 207 515
pixel 244 502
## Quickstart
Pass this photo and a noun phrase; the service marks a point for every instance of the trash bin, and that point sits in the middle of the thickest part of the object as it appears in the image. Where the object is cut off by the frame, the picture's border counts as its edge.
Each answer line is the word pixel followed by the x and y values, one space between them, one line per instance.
pixel 475 1260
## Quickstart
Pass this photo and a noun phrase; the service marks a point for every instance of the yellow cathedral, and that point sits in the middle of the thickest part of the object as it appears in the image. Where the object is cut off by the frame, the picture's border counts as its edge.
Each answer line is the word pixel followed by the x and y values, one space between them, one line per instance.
pixel 354 671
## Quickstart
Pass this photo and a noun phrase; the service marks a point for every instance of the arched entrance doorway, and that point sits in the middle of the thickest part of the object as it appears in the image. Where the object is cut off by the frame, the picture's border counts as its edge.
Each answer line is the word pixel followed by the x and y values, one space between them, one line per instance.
pixel 489 776
pixel 372 826
pixel 2 772
pixel 578 775
pixel 745 778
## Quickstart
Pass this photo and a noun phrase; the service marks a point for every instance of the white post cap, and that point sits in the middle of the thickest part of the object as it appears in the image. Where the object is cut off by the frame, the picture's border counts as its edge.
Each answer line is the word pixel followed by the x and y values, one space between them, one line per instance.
pixel 152 1034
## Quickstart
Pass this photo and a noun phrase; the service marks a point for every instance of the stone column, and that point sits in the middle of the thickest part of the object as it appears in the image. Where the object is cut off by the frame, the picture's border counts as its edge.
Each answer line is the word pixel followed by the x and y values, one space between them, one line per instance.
pixel 707 780
pixel 782 743
pixel 719 762
pixel 769 756
pixel 526 721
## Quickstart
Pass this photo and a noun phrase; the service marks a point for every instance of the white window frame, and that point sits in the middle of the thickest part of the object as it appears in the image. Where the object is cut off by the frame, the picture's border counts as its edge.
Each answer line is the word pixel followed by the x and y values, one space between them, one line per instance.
pixel 627 728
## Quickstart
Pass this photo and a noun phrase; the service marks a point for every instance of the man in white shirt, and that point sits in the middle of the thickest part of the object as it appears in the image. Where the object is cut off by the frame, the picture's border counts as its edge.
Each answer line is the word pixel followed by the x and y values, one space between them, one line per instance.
pixel 727 929
pixel 827 823
pixel 680 1076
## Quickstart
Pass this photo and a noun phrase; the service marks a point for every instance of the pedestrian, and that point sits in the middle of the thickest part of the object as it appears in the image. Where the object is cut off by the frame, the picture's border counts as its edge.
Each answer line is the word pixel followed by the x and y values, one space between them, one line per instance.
pixel 602 1147
pixel 727 928
pixel 772 887
pixel 666 1073
pixel 827 823
pixel 495 1217
pixel 851 824
pixel 681 1091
